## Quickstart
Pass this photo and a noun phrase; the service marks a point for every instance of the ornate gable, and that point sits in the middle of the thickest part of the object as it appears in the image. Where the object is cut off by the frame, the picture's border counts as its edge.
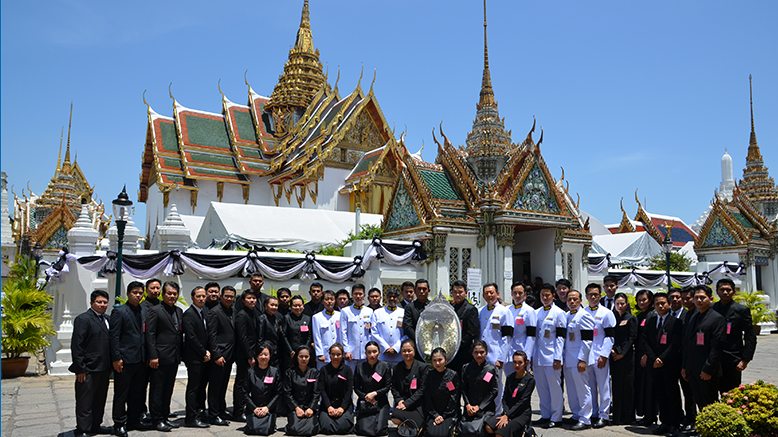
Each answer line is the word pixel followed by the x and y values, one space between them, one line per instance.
pixel 719 235
pixel 536 193
pixel 402 214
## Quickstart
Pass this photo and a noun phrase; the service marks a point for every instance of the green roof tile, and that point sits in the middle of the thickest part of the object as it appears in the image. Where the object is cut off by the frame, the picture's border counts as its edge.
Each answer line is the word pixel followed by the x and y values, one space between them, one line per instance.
pixel 169 138
pixel 743 220
pixel 440 185
pixel 207 132
pixel 245 126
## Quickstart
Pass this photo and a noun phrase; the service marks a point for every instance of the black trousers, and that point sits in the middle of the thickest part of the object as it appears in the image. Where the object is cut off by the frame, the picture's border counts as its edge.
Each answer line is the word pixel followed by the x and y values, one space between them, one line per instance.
pixel 623 384
pixel 239 387
pixel 730 377
pixel 197 380
pixel 218 378
pixel 667 395
pixel 90 400
pixel 162 379
pixel 129 394
pixel 704 392
pixel 689 407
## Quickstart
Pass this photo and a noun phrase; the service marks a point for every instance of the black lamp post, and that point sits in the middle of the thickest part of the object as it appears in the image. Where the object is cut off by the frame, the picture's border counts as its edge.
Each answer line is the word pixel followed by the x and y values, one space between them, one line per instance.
pixel 122 207
pixel 37 254
pixel 667 246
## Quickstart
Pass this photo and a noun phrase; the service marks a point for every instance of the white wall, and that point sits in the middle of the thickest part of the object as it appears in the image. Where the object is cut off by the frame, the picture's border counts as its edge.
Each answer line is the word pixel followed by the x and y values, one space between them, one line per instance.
pixel 540 245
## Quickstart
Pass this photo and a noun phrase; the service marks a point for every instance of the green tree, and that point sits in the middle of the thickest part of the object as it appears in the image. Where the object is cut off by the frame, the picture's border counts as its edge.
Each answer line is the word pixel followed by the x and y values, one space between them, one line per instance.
pixel 26 316
pixel 678 262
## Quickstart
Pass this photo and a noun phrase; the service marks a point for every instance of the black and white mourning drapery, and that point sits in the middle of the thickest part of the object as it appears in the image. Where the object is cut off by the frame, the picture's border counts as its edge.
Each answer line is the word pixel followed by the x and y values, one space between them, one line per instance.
pixel 273 266
pixel 645 279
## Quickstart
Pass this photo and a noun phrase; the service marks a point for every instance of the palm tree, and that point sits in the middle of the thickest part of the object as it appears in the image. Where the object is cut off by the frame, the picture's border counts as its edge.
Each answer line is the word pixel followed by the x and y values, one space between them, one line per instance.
pixel 25 309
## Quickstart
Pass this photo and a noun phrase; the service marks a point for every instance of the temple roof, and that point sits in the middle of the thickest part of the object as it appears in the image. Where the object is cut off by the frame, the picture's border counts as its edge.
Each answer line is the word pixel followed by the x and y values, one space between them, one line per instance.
pixel 734 223
pixel 756 182
pixel 655 224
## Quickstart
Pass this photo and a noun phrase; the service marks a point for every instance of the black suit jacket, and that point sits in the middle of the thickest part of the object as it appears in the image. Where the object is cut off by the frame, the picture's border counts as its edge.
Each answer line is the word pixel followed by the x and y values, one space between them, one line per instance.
pixel 739 342
pixel 471 331
pixel 651 340
pixel 625 335
pixel 195 336
pixel 163 340
pixel 90 344
pixel 127 341
pixel 704 357
pixel 411 317
pixel 246 334
pixel 221 333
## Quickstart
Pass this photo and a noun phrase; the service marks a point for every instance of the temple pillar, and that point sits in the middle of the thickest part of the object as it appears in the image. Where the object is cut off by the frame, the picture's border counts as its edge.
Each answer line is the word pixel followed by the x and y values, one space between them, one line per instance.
pixel 63 355
pixel 750 282
pixel 173 233
pixel 505 260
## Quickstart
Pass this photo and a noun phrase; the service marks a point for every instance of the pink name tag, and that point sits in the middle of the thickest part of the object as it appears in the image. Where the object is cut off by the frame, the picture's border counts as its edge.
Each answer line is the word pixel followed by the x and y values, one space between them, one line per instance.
pixel 520 321
pixel 377 377
pixel 268 380
pixel 413 384
pixel 729 327
pixel 450 386
pixel 515 392
pixel 337 324
pixel 342 378
pixel 643 323
pixel 595 332
pixel 663 339
pixel 311 380
pixel 303 328
pixel 488 376
pixel 700 339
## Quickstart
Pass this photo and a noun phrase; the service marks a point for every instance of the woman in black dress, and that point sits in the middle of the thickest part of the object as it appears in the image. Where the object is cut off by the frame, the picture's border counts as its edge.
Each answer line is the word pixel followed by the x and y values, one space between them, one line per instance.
pixel 441 396
pixel 479 390
pixel 336 385
pixel 262 393
pixel 301 392
pixel 297 331
pixel 372 382
pixel 516 408
pixel 271 327
pixel 643 396
pixel 622 362
pixel 407 392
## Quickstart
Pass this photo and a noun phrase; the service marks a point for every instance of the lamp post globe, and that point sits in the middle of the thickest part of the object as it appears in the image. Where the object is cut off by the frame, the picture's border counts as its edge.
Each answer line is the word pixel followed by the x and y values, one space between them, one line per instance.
pixel 122 208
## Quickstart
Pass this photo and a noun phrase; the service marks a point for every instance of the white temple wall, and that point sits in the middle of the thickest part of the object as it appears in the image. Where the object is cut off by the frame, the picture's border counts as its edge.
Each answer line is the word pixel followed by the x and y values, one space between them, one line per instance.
pixel 769 282
pixel 540 245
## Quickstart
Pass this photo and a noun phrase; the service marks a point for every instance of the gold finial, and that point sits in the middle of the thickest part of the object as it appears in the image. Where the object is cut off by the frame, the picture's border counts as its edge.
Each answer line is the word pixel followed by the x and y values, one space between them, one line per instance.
pixel 361 73
pixel 375 71
pixel 219 87
pixel 245 77
pixel 70 123
pixel 487 93
pixel 637 199
pixel 59 154
pixel 532 130
pixel 563 174
pixel 752 140
pixel 170 91
pixel 304 40
pixel 337 79
pixel 541 137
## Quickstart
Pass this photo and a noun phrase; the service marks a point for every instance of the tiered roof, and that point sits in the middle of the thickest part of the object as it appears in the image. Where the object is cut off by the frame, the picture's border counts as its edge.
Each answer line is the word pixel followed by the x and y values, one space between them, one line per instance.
pixel 655 225
pixel 735 224
pixel 757 183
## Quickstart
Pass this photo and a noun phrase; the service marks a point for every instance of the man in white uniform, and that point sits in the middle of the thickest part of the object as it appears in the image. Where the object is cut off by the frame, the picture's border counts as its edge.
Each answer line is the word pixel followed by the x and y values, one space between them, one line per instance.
pixel 548 358
pixel 355 327
pixel 599 366
pixel 578 351
pixel 326 329
pixel 496 331
pixel 386 328
pixel 524 326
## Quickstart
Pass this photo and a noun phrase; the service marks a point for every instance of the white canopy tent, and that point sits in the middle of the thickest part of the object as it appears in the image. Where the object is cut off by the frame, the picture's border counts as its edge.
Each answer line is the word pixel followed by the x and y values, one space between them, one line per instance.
pixel 632 248
pixel 279 227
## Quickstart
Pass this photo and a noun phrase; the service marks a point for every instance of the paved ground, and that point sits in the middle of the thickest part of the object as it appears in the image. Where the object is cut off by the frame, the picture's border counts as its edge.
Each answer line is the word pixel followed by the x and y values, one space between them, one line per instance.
pixel 44 406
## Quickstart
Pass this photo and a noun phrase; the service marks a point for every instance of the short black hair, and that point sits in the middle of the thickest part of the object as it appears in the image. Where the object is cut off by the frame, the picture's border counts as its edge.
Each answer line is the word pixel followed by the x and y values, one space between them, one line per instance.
pixel 257 274
pixel 212 284
pixel 564 282
pixel 133 285
pixel 725 281
pixel 153 280
pixel 517 283
pixel 704 288
pixel 574 291
pixel 610 278
pixel 458 283
pixel 421 281
pixel 341 292
pixel 407 284
pixel 490 284
pixel 296 297
pixel 594 285
pixel 195 289
pixel 98 293
pixel 173 285
pixel 547 286
pixel 661 294
pixel 228 288
pixel 283 290
pixel 358 286
pixel 328 292
pixel 377 290
pixel 315 284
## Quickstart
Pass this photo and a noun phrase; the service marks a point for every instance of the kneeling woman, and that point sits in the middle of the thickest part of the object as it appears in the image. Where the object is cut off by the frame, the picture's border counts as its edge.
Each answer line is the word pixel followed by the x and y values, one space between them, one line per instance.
pixel 336 385
pixel 372 382
pixel 441 396
pixel 407 381
pixel 479 390
pixel 516 409
pixel 262 393
pixel 301 392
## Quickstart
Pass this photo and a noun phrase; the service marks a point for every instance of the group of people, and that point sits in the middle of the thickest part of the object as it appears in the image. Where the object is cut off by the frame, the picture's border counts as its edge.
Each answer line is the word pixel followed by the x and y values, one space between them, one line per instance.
pixel 329 364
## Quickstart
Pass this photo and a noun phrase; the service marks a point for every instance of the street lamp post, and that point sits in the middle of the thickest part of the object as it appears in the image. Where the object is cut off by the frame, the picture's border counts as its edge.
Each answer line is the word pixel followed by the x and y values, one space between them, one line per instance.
pixel 667 246
pixel 122 207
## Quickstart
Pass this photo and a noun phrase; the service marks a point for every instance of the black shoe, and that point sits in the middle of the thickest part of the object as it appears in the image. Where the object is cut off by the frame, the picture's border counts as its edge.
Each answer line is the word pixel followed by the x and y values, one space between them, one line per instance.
pixel 239 417
pixel 79 433
pixel 569 421
pixel 120 431
pixel 580 426
pixel 163 427
pixel 645 422
pixel 689 430
pixel 542 422
pixel 662 429
pixel 218 421
pixel 171 424
pixel 600 423
pixel 552 424
pixel 195 424
pixel 143 425
pixel 101 430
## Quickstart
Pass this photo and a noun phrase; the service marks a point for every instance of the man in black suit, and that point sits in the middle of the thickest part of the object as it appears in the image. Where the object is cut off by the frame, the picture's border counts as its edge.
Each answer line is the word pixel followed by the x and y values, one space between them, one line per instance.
pixel 246 342
pixel 163 344
pixel 413 310
pixel 315 305
pixel 221 338
pixel 702 348
pixel 471 326
pixel 661 346
pixel 610 285
pixel 150 299
pixel 676 304
pixel 689 407
pixel 91 351
pixel 196 356
pixel 407 291
pixel 213 293
pixel 739 343
pixel 562 287
pixel 128 354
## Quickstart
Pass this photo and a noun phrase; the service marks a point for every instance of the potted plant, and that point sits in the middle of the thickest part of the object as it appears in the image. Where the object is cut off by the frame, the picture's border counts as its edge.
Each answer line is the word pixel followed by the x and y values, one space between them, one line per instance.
pixel 760 313
pixel 26 318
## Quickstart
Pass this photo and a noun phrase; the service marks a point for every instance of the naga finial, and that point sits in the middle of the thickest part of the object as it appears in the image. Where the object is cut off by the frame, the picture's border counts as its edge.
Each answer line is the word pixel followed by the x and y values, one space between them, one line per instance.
pixel 219 87
pixel 170 91
pixel 445 138
pixel 375 72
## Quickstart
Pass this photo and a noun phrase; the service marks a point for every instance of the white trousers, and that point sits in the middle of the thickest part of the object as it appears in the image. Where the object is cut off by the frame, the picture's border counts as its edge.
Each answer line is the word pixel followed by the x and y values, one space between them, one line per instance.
pixel 549 385
pixel 599 383
pixel 579 396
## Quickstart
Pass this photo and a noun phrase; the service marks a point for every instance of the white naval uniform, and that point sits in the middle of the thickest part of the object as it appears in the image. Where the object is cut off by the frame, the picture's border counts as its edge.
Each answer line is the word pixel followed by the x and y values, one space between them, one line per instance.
pixel 326 332
pixel 578 347
pixel 524 331
pixel 355 332
pixel 549 346
pixel 387 330
pixel 599 379
pixel 496 330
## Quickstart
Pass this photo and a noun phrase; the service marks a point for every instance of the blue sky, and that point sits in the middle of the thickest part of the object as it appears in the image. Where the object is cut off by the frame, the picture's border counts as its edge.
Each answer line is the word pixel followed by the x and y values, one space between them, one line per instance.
pixel 632 95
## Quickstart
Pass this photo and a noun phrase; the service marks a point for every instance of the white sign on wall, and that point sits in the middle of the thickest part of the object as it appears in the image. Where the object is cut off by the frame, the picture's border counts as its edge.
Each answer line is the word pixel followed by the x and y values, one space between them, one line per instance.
pixel 474 285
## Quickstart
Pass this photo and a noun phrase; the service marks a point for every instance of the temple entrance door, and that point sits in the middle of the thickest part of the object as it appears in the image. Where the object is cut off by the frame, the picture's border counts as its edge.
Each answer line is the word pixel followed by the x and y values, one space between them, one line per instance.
pixel 522 265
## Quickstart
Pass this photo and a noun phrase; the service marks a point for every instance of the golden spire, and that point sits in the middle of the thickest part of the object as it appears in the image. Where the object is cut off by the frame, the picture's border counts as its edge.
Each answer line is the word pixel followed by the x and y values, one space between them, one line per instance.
pixel 752 140
pixel 59 154
pixel 67 149
pixel 487 93
pixel 304 40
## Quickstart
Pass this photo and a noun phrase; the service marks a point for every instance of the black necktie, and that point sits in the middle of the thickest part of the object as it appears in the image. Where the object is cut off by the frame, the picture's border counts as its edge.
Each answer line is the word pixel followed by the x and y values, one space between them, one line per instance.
pixel 659 326
pixel 609 304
